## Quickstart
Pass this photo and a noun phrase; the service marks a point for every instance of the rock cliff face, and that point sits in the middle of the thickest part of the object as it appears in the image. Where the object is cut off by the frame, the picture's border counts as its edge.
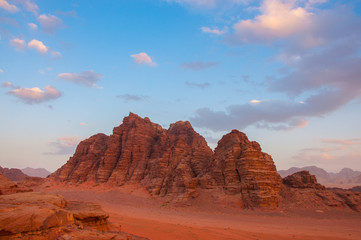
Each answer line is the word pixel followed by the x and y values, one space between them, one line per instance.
pixel 174 162
pixel 240 167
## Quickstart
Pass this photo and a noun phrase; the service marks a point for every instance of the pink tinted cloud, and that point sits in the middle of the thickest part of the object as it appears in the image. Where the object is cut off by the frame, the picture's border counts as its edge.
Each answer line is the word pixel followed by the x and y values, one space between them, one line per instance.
pixel 64 145
pixel 29 5
pixel 215 31
pixel 35 94
pixel 4 4
pixel 143 58
pixel 38 46
pixel 49 23
pixel 18 44
pixel 87 78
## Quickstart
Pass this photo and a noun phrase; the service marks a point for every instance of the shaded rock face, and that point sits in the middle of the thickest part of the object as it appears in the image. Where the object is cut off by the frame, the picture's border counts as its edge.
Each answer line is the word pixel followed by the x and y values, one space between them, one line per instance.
pixel 13 174
pixel 301 191
pixel 302 179
pixel 240 167
pixel 49 216
pixel 174 162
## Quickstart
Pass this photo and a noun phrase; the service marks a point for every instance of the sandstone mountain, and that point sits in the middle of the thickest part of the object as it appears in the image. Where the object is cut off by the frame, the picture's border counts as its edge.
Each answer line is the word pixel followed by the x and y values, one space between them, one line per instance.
pixel 174 163
pixel 13 174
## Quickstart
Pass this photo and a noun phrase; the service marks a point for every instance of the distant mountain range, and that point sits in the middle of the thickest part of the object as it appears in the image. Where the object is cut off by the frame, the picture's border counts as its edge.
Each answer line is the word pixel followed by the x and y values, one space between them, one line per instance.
pixel 36 172
pixel 345 176
pixel 15 174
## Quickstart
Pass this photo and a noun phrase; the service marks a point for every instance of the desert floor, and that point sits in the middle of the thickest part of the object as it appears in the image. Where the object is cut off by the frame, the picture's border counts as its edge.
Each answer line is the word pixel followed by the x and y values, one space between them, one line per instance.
pixel 139 214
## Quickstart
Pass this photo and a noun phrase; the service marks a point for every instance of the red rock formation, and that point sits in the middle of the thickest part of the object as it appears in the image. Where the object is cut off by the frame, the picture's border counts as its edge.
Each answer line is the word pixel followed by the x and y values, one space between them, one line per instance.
pixel 13 174
pixel 240 167
pixel 301 191
pixel 9 187
pixel 167 162
pixel 302 179
pixel 173 162
pixel 41 216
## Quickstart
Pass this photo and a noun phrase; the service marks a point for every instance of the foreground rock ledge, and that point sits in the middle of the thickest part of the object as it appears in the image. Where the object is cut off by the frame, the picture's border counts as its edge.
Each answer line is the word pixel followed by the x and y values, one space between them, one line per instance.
pixel 39 216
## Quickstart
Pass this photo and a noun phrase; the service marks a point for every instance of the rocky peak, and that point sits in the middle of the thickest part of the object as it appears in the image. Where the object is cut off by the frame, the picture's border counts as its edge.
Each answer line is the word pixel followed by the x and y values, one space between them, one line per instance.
pixel 302 179
pixel 174 162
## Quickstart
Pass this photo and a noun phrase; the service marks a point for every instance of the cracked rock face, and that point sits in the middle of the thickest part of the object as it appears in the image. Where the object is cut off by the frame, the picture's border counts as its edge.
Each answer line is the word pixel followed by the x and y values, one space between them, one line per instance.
pixel 174 162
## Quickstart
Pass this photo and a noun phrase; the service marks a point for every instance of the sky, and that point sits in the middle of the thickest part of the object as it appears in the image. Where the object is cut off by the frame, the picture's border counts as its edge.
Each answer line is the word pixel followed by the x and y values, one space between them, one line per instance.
pixel 285 72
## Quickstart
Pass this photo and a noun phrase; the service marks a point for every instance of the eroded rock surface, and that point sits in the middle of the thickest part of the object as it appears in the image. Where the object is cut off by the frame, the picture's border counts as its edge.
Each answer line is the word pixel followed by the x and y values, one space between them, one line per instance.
pixel 37 216
pixel 9 187
pixel 301 191
pixel 174 162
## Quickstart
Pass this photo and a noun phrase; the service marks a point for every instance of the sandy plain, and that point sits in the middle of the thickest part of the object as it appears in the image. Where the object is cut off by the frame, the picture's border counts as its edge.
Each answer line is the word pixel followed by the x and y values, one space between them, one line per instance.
pixel 212 218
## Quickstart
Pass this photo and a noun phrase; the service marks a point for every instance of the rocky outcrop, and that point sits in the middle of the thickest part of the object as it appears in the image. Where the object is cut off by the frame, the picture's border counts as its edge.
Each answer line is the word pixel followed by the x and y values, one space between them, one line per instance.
pixel 301 191
pixel 166 162
pixel 302 179
pixel 9 187
pixel 174 162
pixel 240 167
pixel 13 174
pixel 49 216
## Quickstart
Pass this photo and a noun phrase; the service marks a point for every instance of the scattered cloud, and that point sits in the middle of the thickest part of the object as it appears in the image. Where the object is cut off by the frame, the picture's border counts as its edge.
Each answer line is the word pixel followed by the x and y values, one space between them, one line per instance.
pixel 49 23
pixel 33 26
pixel 64 145
pixel 343 141
pixel 215 31
pixel 18 44
pixel 9 21
pixel 254 101
pixel 7 84
pixel 55 54
pixel 29 5
pixel 207 3
pixel 83 124
pixel 197 85
pixel 88 78
pixel 1 71
pixel 71 13
pixel 8 7
pixel 143 58
pixel 132 98
pixel 38 46
pixel 33 95
pixel 197 66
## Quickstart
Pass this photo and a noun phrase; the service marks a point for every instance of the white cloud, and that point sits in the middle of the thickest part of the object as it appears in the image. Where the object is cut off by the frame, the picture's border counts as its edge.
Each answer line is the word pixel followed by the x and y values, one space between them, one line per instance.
pixel 18 44
pixel 88 78
pixel 49 23
pixel 255 101
pixel 8 7
pixel 215 31
pixel 279 19
pixel 35 94
pixel 143 58
pixel 33 26
pixel 28 5
pixel 38 45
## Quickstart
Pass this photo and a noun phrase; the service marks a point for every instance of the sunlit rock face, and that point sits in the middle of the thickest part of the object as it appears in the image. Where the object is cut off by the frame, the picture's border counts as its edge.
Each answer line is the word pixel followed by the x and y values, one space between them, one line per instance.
pixel 175 163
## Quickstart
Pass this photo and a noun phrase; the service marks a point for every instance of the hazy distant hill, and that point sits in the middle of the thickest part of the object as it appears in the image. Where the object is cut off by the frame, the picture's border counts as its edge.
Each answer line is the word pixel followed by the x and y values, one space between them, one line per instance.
pixel 13 174
pixel 36 172
pixel 345 176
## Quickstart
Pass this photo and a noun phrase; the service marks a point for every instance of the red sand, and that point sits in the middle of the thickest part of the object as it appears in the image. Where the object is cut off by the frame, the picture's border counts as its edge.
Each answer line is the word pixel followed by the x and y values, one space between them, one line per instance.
pixel 138 214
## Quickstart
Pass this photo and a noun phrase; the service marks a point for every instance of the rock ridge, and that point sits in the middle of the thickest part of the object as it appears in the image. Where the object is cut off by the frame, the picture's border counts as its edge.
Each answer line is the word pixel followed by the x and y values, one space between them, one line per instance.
pixel 174 163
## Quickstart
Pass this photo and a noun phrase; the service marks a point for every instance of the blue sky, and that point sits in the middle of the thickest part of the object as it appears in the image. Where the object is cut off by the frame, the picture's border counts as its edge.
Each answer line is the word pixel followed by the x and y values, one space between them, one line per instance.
pixel 285 72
